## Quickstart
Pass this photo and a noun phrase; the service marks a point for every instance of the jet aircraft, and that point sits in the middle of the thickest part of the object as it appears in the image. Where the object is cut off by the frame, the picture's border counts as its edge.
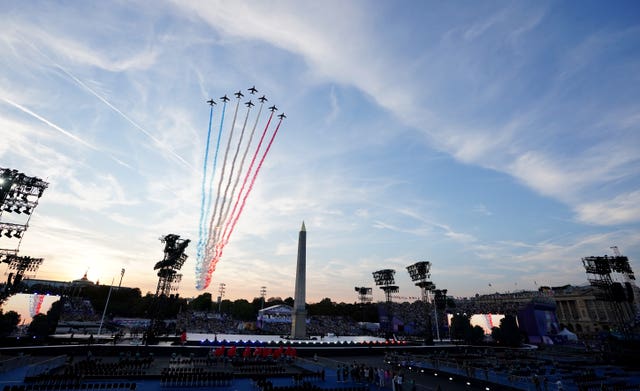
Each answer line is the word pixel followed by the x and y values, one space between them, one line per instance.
pixel 211 102
pixel 224 98
pixel 249 104
pixel 273 108
pixel 282 116
pixel 263 99
pixel 239 94
pixel 252 90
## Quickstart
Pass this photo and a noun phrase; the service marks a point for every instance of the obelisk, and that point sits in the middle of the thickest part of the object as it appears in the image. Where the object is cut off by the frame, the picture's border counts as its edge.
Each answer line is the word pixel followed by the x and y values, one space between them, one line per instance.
pixel 299 315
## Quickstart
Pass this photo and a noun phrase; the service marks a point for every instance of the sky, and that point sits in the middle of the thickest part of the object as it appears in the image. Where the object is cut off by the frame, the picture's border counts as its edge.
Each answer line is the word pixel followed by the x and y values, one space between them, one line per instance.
pixel 497 140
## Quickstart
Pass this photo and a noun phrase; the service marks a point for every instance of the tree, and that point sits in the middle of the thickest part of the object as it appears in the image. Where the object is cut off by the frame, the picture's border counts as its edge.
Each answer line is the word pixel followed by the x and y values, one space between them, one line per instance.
pixel 243 310
pixel 460 327
pixel 325 307
pixel 274 301
pixel 289 301
pixel 8 322
pixel 508 334
pixel 202 302
pixel 476 335
pixel 39 326
pixel 225 306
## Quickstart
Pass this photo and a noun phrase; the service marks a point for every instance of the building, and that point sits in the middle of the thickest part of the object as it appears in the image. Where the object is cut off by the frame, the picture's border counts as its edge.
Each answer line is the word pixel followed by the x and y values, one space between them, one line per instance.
pixel 583 312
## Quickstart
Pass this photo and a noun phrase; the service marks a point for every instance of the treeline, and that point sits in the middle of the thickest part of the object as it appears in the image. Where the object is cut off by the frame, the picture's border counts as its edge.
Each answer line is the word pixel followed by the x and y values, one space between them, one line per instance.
pixel 129 302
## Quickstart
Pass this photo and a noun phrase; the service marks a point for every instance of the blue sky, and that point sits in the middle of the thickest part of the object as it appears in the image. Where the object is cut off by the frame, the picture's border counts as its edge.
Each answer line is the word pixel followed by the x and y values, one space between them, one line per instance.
pixel 497 140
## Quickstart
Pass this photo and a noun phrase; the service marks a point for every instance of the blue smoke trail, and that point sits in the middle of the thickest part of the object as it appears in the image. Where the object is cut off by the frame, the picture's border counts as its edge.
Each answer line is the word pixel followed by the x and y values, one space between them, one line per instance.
pixel 204 182
pixel 212 237
pixel 204 234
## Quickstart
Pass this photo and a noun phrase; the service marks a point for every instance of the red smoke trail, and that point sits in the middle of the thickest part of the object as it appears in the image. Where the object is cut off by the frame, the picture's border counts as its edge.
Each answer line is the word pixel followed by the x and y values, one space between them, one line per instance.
pixel 36 304
pixel 226 202
pixel 246 177
pixel 225 240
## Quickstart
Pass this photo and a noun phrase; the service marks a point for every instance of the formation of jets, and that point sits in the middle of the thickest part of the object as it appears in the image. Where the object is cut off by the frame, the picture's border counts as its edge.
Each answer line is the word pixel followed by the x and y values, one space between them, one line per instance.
pixel 249 104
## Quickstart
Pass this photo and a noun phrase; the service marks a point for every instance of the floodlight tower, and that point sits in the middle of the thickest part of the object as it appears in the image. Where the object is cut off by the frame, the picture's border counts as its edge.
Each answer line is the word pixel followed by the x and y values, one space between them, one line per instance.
pixel 365 296
pixel 168 278
pixel 19 196
pixel 439 302
pixel 386 281
pixel 18 268
pixel 174 258
pixel 420 275
pixel 263 294
pixel 221 289
pixel 599 271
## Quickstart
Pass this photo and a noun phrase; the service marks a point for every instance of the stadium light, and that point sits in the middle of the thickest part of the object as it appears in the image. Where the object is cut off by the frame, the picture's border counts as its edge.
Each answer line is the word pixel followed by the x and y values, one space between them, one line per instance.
pixel 19 194
pixel 420 275
pixel 386 281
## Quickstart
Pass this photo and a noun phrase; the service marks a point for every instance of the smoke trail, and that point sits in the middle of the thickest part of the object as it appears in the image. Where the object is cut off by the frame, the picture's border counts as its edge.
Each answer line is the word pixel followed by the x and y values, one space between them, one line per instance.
pixel 220 248
pixel 201 258
pixel 247 175
pixel 204 182
pixel 35 302
pixel 226 189
pixel 211 231
pixel 224 211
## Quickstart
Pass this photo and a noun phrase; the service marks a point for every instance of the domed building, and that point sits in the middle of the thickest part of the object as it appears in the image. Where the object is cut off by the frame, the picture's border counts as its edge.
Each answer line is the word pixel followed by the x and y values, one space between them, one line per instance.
pixel 82 282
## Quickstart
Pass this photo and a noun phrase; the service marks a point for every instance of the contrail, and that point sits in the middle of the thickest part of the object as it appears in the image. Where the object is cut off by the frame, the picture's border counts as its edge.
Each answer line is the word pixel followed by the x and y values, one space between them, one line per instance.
pixel 65 132
pixel 126 117
pixel 51 124
pixel 123 115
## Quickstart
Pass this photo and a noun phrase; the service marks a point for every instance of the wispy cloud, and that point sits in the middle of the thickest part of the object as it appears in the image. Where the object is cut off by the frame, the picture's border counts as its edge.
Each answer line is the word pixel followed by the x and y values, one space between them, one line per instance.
pixel 623 209
pixel 49 123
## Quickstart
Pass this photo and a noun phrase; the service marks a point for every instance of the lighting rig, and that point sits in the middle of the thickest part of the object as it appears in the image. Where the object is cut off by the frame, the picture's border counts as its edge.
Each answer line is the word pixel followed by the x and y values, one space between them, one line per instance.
pixel 221 289
pixel 19 195
pixel 440 302
pixel 263 294
pixel 168 281
pixel 364 294
pixel 620 295
pixel 386 281
pixel 174 258
pixel 420 275
pixel 18 268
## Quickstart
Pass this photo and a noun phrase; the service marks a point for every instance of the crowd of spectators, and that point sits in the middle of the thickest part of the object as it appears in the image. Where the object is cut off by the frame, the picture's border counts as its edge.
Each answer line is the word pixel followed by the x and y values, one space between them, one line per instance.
pixel 78 309
pixel 207 322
